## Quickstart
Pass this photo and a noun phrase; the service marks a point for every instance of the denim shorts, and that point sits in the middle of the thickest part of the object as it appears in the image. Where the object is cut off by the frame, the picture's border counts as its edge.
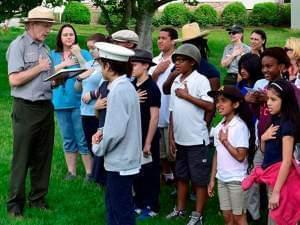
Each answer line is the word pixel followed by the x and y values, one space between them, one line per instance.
pixel 70 125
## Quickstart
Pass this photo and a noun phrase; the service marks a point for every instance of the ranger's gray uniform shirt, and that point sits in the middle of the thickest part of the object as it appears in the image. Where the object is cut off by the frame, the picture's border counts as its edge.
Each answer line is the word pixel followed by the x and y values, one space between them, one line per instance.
pixel 233 67
pixel 22 54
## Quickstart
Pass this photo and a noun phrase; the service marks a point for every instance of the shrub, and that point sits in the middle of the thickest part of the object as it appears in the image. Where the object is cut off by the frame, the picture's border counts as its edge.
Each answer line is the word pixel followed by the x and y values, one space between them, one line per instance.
pixel 157 21
pixel 285 14
pixel 176 14
pixel 205 15
pixel 76 12
pixel 234 13
pixel 264 13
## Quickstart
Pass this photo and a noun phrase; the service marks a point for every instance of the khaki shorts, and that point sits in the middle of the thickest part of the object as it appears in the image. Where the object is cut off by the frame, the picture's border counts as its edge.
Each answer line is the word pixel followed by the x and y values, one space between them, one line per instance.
pixel 232 197
pixel 164 144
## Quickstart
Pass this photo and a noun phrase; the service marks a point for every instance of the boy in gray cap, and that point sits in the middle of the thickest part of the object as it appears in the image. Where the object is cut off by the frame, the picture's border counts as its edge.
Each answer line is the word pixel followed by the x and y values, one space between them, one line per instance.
pixel 126 38
pixel 189 134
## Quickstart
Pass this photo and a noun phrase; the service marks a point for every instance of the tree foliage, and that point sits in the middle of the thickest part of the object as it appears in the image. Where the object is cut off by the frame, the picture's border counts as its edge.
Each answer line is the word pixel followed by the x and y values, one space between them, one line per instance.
pixel 117 14
pixel 10 8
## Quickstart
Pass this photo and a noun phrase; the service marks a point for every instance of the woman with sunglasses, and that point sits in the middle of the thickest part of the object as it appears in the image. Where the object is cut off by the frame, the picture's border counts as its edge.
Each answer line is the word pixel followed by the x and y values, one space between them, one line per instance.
pixel 232 54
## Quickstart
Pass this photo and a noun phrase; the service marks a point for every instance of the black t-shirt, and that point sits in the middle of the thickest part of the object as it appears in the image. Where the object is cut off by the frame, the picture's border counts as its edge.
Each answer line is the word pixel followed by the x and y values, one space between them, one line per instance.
pixel 103 92
pixel 153 100
pixel 273 147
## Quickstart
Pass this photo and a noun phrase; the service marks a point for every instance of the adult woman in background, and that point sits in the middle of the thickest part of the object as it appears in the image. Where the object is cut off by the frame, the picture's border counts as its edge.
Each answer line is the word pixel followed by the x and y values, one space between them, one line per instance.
pixel 292 49
pixel 66 100
pixel 258 41
pixel 232 54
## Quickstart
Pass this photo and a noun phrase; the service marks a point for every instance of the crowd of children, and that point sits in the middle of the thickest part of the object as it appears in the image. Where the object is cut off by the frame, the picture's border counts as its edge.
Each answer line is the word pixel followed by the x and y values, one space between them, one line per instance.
pixel 142 117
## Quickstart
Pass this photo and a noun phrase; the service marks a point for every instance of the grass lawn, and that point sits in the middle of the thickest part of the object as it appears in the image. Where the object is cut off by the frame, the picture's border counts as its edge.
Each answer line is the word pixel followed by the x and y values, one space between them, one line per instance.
pixel 75 202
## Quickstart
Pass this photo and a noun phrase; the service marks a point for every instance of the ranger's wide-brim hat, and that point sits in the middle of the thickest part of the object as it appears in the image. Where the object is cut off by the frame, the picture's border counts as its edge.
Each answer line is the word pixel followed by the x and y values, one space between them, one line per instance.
pixel 40 14
pixel 191 31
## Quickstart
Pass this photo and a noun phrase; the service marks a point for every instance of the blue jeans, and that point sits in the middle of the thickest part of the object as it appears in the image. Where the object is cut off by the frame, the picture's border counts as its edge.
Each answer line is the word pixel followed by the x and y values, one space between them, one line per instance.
pixel 119 200
pixel 70 125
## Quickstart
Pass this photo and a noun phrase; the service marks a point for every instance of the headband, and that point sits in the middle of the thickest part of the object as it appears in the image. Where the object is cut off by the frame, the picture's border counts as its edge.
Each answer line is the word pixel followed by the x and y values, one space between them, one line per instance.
pixel 277 85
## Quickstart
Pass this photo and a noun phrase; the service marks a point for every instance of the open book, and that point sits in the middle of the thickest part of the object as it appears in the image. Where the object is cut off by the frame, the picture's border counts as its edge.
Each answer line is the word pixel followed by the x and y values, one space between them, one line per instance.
pixel 66 73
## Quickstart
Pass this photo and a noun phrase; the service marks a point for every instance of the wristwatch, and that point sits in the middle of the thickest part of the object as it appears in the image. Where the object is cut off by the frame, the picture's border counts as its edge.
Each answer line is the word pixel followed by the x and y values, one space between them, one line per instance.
pixel 79 79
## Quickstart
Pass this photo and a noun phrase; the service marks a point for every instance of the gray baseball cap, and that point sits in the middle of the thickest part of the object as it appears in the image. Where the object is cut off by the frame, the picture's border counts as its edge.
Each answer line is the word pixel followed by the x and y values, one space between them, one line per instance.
pixel 189 50
pixel 125 36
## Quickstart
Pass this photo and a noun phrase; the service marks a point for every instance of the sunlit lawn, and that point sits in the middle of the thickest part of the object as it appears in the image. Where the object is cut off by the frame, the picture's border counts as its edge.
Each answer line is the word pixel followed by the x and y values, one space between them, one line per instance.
pixel 78 203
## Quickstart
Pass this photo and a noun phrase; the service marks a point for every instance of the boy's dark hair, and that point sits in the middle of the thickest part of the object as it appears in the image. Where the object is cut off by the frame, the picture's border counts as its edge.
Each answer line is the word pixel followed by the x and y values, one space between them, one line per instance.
pixel 263 36
pixel 118 67
pixel 279 54
pixel 201 44
pixel 252 64
pixel 171 31
pixel 59 45
pixel 97 37
pixel 289 103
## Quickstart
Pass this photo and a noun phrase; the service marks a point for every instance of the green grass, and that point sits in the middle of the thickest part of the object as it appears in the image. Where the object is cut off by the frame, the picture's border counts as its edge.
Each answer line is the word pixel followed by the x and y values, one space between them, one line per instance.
pixel 77 203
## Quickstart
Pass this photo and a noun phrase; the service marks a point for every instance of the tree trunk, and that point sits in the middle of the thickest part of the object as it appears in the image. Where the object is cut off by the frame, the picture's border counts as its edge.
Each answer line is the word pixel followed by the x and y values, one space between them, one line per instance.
pixel 144 29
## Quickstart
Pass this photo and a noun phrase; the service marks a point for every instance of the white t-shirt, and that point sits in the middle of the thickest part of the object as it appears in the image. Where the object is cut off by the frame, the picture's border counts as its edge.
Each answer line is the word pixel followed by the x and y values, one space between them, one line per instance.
pixel 228 168
pixel 165 99
pixel 260 84
pixel 189 126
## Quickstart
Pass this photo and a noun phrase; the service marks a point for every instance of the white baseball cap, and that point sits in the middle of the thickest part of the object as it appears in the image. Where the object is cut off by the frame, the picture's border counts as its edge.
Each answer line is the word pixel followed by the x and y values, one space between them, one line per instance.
pixel 113 52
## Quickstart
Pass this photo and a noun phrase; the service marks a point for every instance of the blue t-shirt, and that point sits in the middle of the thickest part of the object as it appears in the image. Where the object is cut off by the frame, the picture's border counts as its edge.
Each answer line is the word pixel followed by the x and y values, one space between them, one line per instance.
pixel 90 84
pixel 273 147
pixel 207 69
pixel 65 96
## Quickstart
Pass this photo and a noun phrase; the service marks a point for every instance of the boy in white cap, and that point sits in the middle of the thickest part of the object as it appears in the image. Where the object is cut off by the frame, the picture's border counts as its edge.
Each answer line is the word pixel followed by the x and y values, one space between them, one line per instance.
pixel 121 140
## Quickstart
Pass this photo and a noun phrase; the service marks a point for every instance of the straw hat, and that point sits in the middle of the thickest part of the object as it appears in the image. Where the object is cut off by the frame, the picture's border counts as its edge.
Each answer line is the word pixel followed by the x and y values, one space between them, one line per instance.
pixel 113 52
pixel 191 31
pixel 40 14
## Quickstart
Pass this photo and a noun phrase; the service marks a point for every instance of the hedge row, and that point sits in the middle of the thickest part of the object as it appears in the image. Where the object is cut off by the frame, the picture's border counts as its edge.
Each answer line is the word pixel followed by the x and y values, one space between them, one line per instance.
pixel 76 12
pixel 177 14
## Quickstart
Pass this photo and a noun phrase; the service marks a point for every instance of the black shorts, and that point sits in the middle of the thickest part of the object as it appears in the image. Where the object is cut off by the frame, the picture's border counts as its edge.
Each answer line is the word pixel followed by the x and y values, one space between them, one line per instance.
pixel 192 163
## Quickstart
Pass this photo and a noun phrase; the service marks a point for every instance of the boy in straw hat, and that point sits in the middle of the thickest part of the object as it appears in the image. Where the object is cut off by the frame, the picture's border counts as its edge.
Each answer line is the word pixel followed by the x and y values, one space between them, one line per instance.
pixel 32 117
pixel 191 33
pixel 121 140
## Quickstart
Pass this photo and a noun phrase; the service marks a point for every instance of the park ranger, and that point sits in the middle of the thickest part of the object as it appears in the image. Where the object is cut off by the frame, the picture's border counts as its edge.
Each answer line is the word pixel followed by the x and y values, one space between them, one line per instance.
pixel 32 116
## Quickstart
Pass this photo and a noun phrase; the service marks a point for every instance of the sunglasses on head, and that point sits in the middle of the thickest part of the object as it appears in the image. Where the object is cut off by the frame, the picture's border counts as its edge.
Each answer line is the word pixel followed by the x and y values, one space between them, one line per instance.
pixel 287 49
pixel 232 32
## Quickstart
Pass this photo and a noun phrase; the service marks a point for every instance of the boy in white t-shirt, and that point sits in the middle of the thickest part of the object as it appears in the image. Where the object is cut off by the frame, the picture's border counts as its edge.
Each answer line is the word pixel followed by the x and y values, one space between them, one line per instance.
pixel 188 135
pixel 232 141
